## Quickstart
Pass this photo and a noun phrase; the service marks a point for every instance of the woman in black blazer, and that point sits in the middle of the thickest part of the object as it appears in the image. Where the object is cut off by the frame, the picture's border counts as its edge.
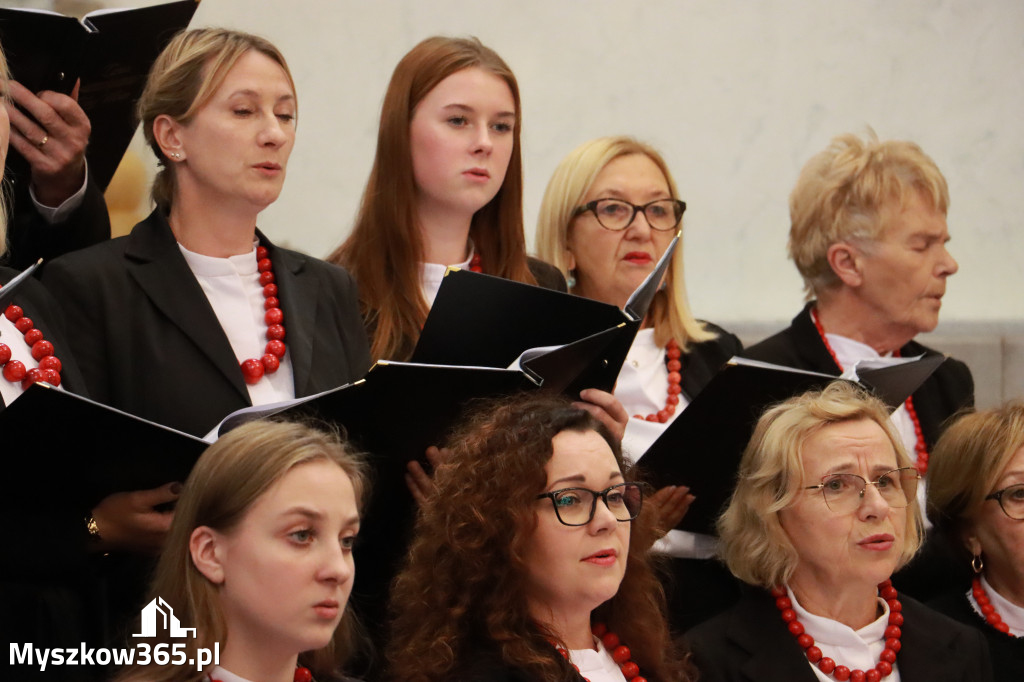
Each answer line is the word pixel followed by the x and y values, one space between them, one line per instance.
pixel 195 313
pixel 823 513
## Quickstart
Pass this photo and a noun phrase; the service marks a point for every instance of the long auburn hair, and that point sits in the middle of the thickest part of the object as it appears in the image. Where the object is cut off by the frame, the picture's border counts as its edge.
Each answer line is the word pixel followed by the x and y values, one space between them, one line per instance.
pixel 230 476
pixel 385 250
pixel 463 586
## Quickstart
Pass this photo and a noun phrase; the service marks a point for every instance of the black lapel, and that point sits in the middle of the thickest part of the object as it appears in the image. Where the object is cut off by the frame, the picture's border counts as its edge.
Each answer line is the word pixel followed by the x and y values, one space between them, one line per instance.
pixel 299 291
pixel 809 346
pixel 774 653
pixel 154 261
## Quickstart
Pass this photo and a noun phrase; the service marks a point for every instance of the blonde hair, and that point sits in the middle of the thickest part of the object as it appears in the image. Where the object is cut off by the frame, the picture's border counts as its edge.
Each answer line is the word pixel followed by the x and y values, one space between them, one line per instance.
pixel 754 545
pixel 843 193
pixel 227 480
pixel 967 463
pixel 184 78
pixel 569 184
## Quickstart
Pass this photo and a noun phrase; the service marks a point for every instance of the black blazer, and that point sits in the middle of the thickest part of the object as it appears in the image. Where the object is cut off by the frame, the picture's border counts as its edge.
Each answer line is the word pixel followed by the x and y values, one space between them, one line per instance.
pixel 948 390
pixel 750 643
pixel 29 236
pixel 1006 650
pixel 701 361
pixel 149 343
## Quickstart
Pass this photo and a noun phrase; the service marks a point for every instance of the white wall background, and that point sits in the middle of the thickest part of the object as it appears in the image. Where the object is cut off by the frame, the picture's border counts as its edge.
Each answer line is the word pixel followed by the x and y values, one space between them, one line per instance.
pixel 736 93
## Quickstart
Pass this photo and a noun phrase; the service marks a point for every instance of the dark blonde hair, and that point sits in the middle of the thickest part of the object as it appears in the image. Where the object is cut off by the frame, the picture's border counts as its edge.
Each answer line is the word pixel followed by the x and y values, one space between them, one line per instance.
pixel 569 184
pixel 385 250
pixel 753 543
pixel 463 586
pixel 967 463
pixel 184 78
pixel 843 193
pixel 230 476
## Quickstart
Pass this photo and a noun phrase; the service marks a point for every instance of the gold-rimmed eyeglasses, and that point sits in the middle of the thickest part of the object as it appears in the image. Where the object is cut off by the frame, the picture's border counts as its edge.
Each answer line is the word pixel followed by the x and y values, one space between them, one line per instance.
pixel 843 493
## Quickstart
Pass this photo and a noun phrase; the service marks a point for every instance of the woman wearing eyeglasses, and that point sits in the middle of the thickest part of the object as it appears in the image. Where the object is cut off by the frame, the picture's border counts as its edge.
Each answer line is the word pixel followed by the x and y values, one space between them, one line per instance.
pixel 530 558
pixel 609 212
pixel 821 517
pixel 976 499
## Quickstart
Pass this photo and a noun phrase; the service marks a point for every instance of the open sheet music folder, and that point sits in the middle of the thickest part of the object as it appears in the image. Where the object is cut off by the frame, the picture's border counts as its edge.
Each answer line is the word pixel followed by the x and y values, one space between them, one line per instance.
pixel 110 50
pixel 488 321
pixel 702 448
pixel 70 452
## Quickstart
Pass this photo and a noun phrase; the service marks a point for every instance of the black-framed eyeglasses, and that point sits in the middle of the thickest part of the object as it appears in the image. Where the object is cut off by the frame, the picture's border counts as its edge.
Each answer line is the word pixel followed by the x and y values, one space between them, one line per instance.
pixel 576 506
pixel 1011 500
pixel 843 493
pixel 616 215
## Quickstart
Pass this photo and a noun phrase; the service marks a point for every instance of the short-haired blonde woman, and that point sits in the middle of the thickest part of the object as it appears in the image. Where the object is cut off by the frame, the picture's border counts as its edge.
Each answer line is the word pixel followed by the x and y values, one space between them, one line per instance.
pixel 868 234
pixel 976 498
pixel 610 210
pixel 823 513
pixel 259 557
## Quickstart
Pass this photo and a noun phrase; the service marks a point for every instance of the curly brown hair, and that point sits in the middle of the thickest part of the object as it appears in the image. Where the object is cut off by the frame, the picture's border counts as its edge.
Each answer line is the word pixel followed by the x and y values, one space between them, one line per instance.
pixel 463 587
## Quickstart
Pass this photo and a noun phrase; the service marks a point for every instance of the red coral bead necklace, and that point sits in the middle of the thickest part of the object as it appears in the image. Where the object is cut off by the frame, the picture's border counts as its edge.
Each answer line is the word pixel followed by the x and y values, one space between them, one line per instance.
pixel 620 653
pixel 988 609
pixel 253 369
pixel 675 378
pixel 301 675
pixel 920 449
pixel 828 666
pixel 42 350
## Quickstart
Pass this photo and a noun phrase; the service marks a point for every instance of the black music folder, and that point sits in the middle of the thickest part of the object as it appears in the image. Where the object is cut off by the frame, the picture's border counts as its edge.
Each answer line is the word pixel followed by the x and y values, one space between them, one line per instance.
pixel 487 321
pixel 66 451
pixel 110 50
pixel 702 448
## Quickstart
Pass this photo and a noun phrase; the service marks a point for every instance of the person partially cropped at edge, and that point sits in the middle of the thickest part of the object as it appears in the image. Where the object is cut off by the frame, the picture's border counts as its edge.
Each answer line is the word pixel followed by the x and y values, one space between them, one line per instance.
pixel 869 236
pixel 56 206
pixel 976 500
pixel 610 210
pixel 823 513
pixel 186 319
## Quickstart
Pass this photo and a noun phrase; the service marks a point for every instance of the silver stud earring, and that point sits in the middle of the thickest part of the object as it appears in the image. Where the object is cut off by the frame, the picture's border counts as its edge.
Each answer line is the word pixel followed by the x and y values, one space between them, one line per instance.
pixel 175 155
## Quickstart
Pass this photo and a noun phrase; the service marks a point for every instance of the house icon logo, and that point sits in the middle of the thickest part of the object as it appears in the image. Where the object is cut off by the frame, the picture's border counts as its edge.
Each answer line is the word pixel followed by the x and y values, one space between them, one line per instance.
pixel 160 610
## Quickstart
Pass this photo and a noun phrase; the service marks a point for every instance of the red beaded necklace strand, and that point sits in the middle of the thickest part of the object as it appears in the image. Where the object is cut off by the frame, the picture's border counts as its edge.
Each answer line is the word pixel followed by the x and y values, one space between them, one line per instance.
pixel 675 379
pixel 42 350
pixel 920 449
pixel 826 665
pixel 475 263
pixel 253 369
pixel 988 609
pixel 619 651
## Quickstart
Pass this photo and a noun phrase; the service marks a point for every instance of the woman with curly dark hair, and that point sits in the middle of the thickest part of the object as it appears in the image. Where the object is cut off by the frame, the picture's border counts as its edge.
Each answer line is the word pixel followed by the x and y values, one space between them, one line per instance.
pixel 530 558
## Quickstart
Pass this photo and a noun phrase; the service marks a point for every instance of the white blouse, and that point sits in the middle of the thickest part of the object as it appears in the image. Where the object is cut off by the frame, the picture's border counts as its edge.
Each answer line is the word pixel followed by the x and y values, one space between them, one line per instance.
pixel 432 274
pixel 1011 614
pixel 641 388
pixel 597 665
pixel 856 649
pixel 234 291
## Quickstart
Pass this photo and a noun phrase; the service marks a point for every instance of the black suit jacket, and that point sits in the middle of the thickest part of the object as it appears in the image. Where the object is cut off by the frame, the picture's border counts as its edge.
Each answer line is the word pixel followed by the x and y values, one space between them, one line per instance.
pixel 943 394
pixel 149 343
pixel 750 643
pixel 1007 651
pixel 30 237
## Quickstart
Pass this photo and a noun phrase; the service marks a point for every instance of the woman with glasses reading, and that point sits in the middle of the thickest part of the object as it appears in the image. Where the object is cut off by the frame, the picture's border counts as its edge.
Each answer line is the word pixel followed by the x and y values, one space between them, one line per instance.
pixel 529 560
pixel 609 212
pixel 821 517
pixel 976 499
